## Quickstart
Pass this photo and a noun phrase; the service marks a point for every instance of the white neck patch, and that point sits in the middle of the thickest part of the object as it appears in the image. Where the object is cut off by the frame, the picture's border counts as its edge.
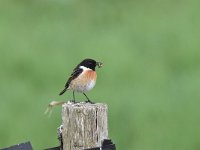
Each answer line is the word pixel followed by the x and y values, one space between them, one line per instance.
pixel 84 68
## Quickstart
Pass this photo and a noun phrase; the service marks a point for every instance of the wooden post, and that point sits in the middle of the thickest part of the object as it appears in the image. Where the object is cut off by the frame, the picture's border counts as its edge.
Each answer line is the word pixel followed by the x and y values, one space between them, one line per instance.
pixel 84 125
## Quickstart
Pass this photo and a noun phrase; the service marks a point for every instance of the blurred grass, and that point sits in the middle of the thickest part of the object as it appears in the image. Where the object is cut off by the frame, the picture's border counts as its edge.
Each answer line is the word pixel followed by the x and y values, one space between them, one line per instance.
pixel 150 78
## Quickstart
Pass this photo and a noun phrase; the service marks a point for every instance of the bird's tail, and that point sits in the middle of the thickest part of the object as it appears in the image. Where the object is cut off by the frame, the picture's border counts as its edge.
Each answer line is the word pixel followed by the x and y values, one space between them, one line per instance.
pixel 63 91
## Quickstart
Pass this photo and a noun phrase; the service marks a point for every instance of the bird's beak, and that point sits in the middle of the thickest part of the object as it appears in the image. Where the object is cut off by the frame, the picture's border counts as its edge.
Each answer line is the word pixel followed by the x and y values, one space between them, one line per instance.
pixel 99 64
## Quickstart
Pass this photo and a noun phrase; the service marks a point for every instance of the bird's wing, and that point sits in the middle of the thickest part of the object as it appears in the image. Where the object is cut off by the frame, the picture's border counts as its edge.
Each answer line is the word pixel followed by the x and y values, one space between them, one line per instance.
pixel 76 72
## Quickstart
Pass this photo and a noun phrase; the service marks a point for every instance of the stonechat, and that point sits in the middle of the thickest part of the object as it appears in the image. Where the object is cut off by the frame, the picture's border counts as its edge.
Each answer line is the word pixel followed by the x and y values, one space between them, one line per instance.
pixel 83 78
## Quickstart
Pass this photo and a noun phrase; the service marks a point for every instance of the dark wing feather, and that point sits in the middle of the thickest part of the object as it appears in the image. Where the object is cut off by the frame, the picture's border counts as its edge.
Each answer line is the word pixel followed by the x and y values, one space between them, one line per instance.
pixel 76 72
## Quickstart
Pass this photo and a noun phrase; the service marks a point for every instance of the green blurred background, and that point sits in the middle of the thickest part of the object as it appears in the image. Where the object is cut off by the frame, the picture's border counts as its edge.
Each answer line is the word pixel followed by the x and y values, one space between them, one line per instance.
pixel 150 78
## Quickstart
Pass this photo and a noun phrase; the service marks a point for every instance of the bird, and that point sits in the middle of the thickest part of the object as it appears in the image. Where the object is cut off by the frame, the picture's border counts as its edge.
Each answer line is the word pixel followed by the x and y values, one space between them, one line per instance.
pixel 83 78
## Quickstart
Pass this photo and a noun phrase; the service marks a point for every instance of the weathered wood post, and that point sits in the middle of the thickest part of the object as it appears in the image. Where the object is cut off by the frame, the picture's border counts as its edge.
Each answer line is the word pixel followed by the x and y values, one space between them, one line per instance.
pixel 84 125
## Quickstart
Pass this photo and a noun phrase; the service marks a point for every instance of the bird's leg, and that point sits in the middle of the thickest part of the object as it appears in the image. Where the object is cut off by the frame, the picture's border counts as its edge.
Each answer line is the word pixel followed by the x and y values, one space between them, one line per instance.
pixel 73 97
pixel 88 100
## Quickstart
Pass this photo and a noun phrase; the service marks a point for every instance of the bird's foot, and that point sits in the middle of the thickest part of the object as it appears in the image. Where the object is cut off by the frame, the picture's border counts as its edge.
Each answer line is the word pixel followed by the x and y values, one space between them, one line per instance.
pixel 89 101
pixel 73 101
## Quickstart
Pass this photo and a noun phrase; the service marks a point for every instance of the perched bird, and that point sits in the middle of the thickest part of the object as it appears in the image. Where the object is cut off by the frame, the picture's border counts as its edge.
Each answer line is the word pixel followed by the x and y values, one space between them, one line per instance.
pixel 83 78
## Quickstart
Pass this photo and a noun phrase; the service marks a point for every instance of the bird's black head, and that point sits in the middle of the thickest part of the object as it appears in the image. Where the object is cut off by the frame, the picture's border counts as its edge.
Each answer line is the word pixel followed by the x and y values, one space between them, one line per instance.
pixel 90 63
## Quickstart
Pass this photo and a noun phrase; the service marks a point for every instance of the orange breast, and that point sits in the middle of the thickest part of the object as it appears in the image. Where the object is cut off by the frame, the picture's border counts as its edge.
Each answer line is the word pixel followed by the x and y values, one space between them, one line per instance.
pixel 90 75
pixel 83 82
